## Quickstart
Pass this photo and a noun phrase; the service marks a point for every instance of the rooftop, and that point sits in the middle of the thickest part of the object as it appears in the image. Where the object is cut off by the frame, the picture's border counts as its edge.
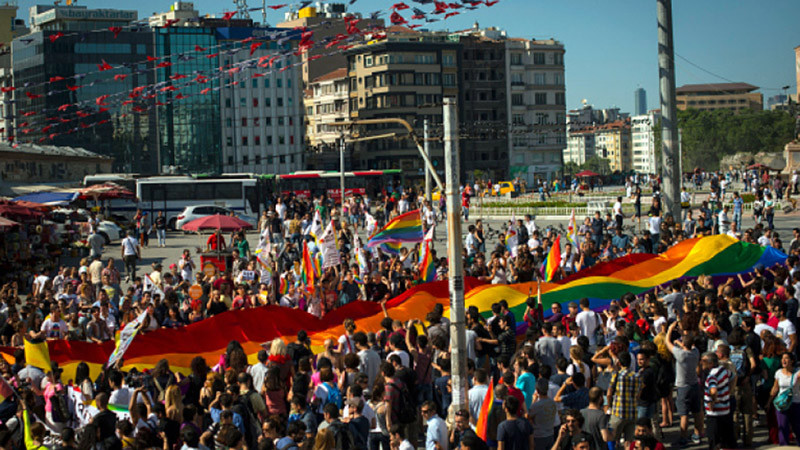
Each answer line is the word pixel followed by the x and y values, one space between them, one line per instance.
pixel 51 150
pixel 716 87
pixel 332 75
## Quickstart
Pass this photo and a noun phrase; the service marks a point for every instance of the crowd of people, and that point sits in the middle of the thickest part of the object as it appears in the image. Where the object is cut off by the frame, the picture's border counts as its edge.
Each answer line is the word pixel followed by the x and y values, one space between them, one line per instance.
pixel 709 357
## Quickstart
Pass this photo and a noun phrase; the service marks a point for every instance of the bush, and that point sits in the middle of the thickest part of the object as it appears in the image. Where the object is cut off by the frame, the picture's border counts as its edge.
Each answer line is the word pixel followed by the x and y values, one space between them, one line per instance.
pixel 549 204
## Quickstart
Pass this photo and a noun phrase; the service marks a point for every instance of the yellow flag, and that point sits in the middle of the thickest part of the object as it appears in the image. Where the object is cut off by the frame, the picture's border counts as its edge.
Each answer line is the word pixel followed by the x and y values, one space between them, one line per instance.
pixel 37 355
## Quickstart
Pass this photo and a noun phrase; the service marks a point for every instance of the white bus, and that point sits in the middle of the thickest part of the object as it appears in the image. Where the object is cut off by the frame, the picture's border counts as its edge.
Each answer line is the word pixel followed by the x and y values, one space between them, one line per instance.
pixel 172 194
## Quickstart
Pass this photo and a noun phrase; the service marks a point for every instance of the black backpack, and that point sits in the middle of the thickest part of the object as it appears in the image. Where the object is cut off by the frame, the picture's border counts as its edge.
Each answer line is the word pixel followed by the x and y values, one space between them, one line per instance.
pixel 252 426
pixel 61 411
pixel 342 435
pixel 406 408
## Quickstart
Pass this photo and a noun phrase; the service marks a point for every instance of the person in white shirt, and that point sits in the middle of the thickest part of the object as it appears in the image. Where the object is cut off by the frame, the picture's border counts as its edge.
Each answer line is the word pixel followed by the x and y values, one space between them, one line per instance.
pixel 724 220
pixel 436 436
pixel 588 321
pixel 785 329
pixel 618 215
pixel 280 208
pixel 130 253
pixel 397 438
pixel 477 393
pixel 529 224
pixel 259 370
pixel 54 327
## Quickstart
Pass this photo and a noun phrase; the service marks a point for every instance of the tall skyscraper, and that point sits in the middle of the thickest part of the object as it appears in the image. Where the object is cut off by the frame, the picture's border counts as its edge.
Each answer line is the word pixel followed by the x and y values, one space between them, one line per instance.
pixel 639 102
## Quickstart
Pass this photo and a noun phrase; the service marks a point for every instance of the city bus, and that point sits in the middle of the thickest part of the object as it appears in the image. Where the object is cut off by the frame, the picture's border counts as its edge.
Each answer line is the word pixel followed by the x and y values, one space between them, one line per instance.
pixel 244 193
pixel 307 184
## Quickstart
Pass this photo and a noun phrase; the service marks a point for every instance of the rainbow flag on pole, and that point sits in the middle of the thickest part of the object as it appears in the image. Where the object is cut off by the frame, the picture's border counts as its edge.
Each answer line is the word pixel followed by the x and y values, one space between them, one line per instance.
pixel 404 228
pixel 427 268
pixel 307 267
pixel 482 427
pixel 551 263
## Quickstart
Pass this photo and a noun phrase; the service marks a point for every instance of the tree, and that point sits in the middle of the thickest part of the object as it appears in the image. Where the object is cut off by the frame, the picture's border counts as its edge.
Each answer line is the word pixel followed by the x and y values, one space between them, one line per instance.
pixel 597 164
pixel 708 136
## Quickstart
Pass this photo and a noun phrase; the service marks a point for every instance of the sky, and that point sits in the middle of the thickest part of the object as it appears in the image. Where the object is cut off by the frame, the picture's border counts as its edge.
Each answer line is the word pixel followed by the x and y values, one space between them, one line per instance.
pixel 611 45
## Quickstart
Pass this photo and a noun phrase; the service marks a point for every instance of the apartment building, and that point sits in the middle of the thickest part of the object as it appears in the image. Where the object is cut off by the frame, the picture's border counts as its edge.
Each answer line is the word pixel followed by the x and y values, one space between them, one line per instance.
pixel 536 107
pixel 732 96
pixel 326 102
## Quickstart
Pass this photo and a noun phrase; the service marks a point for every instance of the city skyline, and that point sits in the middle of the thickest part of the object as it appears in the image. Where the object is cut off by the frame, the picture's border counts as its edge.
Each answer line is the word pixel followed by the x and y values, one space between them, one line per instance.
pixel 710 40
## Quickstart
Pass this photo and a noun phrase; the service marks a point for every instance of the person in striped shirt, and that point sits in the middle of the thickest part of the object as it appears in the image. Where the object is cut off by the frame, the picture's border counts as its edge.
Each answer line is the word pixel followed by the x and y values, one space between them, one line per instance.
pixel 719 420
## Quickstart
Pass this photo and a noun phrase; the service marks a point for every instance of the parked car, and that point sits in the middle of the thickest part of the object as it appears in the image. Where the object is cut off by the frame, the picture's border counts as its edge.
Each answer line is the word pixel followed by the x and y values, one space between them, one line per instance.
pixel 191 213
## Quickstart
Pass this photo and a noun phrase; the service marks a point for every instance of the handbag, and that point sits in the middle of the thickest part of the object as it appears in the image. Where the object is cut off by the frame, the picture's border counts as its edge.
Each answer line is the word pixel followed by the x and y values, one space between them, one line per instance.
pixel 783 400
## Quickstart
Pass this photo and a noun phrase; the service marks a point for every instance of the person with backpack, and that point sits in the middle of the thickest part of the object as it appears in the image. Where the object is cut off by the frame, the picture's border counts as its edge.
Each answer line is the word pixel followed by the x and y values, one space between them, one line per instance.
pixel 57 410
pixel 341 431
pixel 400 409
pixel 744 363
pixel 785 395
pixel 326 392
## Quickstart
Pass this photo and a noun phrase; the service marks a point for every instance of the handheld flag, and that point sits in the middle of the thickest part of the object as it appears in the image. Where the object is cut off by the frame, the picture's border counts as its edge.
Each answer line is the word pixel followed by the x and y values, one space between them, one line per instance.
pixel 403 228
pixel 125 338
pixel 37 355
pixel 427 268
pixel 6 390
pixel 391 248
pixel 553 260
pixel 482 427
pixel 572 230
pixel 307 268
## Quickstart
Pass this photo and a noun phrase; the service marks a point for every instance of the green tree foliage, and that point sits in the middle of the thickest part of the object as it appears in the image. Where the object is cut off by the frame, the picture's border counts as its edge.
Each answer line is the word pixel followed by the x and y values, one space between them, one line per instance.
pixel 708 136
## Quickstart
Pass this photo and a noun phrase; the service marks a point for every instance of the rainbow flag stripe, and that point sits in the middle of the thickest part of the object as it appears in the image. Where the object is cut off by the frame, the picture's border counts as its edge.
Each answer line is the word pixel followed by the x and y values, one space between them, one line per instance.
pixel 391 248
pixel 482 427
pixel 403 228
pixel 715 255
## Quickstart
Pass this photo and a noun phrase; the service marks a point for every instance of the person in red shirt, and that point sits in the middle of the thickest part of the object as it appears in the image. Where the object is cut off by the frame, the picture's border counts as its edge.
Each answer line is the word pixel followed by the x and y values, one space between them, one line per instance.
pixel 508 381
pixel 216 241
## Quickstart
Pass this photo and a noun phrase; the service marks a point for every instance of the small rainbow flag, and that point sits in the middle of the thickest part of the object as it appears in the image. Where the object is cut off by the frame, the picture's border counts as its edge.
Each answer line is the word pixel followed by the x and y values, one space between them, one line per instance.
pixel 357 278
pixel 283 287
pixel 391 248
pixel 403 228
pixel 427 268
pixel 482 427
pixel 307 269
pixel 551 263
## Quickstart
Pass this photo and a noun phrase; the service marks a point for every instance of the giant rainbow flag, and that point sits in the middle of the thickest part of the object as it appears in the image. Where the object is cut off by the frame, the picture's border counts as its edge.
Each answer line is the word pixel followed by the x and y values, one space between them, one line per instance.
pixel 715 255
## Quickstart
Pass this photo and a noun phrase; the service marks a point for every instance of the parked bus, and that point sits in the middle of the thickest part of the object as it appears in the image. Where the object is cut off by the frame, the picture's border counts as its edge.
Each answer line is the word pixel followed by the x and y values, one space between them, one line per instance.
pixel 307 184
pixel 243 193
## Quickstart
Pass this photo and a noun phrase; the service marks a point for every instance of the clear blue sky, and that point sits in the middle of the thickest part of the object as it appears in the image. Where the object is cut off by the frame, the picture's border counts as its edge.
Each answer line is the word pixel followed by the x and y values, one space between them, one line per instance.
pixel 611 45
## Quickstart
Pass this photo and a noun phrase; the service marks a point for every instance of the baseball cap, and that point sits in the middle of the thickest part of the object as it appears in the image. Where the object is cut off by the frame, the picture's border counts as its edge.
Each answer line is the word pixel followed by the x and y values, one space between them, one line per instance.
pixel 579 438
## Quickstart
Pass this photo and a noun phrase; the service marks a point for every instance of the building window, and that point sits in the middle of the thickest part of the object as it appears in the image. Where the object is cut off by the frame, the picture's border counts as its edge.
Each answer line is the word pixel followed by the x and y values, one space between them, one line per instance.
pixel 518 119
pixel 560 98
pixel 448 60
pixel 257 142
pixel 280 101
pixel 540 98
pixel 291 140
pixel 254 83
pixel 244 121
pixel 289 83
pixel 230 160
pixel 229 141
pixel 258 160
pixel 289 99
pixel 558 59
pixel 538 58
pixel 266 83
pixel 228 122
pixel 269 140
pixel 268 121
pixel 256 121
pixel 448 79
pixel 281 140
pixel 268 102
pixel 291 121
pixel 227 103
pixel 242 102
pixel 246 160
pixel 244 140
pixel 541 118
pixel 282 159
pixel 517 100
pixel 279 82
pixel 280 121
pixel 255 103
pixel 516 59
pixel 539 79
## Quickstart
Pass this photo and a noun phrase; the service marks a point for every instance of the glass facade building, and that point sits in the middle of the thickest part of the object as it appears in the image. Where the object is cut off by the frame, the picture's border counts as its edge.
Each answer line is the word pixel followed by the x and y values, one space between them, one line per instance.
pixel 188 131
pixel 124 136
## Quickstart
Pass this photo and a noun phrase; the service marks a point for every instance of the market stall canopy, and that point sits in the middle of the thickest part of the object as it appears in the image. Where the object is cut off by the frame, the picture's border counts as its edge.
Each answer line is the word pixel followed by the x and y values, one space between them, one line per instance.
pixel 7 223
pixel 105 191
pixel 48 198
pixel 11 209
pixel 586 173
pixel 217 222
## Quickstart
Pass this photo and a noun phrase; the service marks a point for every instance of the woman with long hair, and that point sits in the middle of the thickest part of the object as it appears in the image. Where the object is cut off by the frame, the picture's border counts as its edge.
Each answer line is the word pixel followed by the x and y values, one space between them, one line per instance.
pixel 788 419
pixel 173 403
pixel 83 381
pixel 278 357
pixel 275 393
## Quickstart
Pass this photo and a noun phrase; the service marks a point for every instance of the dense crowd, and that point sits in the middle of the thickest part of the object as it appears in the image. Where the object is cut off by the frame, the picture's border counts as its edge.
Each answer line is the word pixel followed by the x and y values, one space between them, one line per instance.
pixel 711 357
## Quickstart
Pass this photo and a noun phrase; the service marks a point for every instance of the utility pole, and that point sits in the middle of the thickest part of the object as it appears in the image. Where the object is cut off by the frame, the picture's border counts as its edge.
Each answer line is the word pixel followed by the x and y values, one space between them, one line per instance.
pixel 341 168
pixel 428 153
pixel 458 336
pixel 670 153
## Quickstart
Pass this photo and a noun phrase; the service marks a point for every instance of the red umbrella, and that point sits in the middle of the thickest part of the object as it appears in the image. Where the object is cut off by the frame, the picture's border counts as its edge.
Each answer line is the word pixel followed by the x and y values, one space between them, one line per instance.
pixel 217 222
pixel 757 166
pixel 587 173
